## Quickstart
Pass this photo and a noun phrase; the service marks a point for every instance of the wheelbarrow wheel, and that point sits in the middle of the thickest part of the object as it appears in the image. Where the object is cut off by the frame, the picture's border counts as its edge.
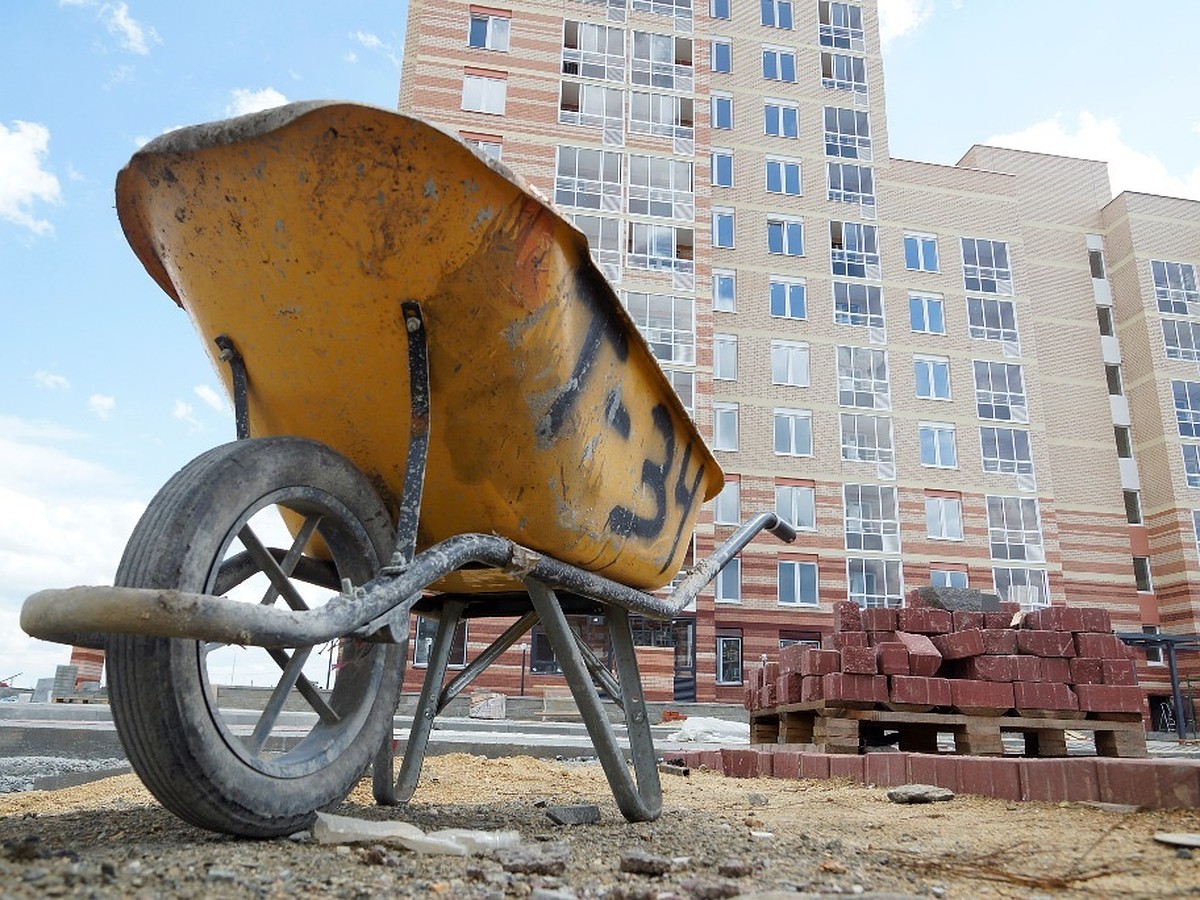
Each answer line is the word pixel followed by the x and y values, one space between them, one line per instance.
pixel 264 773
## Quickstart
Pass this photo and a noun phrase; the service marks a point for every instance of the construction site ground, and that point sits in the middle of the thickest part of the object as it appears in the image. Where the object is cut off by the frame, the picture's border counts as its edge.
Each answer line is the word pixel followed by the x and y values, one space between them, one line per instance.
pixel 717 837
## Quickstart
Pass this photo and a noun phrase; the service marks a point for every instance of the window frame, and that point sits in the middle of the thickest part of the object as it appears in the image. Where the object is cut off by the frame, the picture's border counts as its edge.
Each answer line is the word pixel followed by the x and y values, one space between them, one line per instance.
pixel 892 595
pixel 778 63
pixel 798 582
pixel 723 228
pixel 785 165
pixel 977 275
pixel 790 230
pixel 727 505
pixel 933 364
pixel 789 352
pixel 875 509
pixel 937 432
pixel 1042 587
pixel 865 441
pixel 936 507
pixel 721 158
pixel 790 418
pixel 730 413
pixel 459 646
pixel 725 357
pixel 854 380
pixel 787 113
pixel 489 19
pixel 719 277
pixel 1015 529
pixel 917 246
pixel 715 58
pixel 727 586
pixel 996 397
pixel 720 113
pixel 787 299
pixel 490 86
pixel 787 504
pixel 926 302
pixel 1002 464
pixel 723 675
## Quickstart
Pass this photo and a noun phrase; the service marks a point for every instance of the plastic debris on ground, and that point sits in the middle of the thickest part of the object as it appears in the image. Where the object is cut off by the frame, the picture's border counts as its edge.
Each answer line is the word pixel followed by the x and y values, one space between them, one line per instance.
pixel 330 829
pixel 704 730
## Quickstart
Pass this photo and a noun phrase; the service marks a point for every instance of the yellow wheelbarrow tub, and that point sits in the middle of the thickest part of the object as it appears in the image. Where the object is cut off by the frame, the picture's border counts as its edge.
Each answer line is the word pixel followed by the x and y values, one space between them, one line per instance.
pixel 299 232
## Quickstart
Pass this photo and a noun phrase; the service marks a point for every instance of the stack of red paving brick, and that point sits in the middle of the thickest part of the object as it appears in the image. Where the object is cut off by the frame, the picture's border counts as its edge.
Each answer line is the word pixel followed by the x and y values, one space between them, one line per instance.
pixel 1057 660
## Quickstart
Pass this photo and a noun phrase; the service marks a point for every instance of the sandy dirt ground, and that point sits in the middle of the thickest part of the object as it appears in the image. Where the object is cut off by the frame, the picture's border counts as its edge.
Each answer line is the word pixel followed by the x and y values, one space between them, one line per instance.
pixel 717 837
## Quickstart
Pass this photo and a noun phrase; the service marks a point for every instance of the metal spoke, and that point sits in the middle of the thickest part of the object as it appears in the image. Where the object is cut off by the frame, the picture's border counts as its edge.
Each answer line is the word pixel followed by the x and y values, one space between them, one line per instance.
pixel 292 670
pixel 272 568
pixel 307 689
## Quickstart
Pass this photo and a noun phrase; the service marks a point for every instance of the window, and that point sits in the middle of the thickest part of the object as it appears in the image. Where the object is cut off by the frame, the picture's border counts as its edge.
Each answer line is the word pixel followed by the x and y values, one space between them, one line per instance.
pixel 844 73
pixel 722 112
pixel 783 176
pixel 590 105
pixel 1029 587
pixel 793 432
pixel 777 13
pixel 779 64
pixel 932 375
pixel 991 319
pixel 797 582
pixel 788 298
pixel 488 32
pixel 874 582
pixel 796 504
pixel 1124 438
pixel 1112 377
pixel 727 506
pixel 725 426
pixel 1187 407
pixel 926 314
pixel 483 93
pixel 1005 451
pixel 872 518
pixel 1104 317
pixel 660 247
pixel 588 178
pixel 1141 574
pixel 725 357
pixel 1175 288
pixel 667 323
pixel 661 61
pixel 1154 654
pixel 729 583
pixel 729 649
pixel 603 236
pixel 863 378
pixel 722 55
pixel 684 383
pixel 722 168
pixel 720 9
pixel 1000 391
pixel 943 518
pixel 1133 507
pixel 867 438
pixel 722 228
pixel 1096 263
pixel 680 9
pixel 724 289
pixel 948 578
pixel 858 304
pixel 789 363
pixel 663 115
pixel 920 252
pixel 848 134
pixel 1182 339
pixel 985 266
pixel 423 642
pixel 781 119
pixel 593 51
pixel 785 236
pixel 841 26
pixel 660 187
pixel 1015 529
pixel 938 447
pixel 490 147
pixel 1191 464
pixel 849 183
pixel 854 250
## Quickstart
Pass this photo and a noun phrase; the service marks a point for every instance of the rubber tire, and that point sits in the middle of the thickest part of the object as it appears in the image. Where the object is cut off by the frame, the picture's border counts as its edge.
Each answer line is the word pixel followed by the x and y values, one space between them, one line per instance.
pixel 165 714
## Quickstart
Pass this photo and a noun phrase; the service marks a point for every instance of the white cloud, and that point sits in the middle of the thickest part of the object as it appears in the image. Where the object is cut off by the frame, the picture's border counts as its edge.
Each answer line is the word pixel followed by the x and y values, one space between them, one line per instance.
pixel 244 100
pixel 66 522
pixel 102 405
pixel 899 18
pixel 351 57
pixel 210 397
pixel 134 37
pixel 73 174
pixel 186 413
pixel 368 40
pixel 51 381
pixel 1090 137
pixel 23 180
pixel 132 34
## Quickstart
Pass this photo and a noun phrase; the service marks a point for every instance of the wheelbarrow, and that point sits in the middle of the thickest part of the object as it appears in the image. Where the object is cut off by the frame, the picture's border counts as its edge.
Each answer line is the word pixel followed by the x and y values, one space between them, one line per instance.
pixel 445 409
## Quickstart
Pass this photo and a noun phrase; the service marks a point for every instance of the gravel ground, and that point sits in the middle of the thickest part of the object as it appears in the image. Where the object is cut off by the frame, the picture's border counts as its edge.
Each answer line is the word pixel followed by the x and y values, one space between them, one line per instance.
pixel 717 837
pixel 21 772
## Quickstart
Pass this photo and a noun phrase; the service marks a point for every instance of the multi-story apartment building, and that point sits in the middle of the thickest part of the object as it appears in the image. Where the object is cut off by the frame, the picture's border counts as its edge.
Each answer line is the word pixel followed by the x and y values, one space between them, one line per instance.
pixel 975 375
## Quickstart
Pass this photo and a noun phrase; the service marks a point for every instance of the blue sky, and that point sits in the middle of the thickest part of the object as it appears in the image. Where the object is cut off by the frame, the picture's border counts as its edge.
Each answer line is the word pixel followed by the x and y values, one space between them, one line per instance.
pixel 104 388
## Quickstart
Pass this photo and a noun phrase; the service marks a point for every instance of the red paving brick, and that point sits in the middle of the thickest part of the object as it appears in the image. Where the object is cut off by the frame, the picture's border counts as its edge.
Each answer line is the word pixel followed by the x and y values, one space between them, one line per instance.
pixel 1047 643
pixel 1110 698
pixel 855 688
pixel 1105 646
pixel 859 661
pixel 820 662
pixel 1056 670
pixel 848 765
pixel 923 657
pixel 919 691
pixel 1087 670
pixel 892 658
pixel 785 764
pixel 1039 695
pixel 1056 618
pixel 969 695
pixel 959 644
pixel 999 641
pixel 887 769
pixel 847 616
pixel 814 765
pixel 1056 780
pixel 989 668
pixel 1119 671
pixel 924 620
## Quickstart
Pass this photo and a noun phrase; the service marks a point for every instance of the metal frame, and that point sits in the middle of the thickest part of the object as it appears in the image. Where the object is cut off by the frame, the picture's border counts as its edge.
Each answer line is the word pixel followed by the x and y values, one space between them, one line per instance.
pixel 381 610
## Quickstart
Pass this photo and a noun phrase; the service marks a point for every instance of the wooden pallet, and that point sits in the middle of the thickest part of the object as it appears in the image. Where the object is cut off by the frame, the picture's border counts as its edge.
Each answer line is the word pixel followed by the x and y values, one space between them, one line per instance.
pixel 829 729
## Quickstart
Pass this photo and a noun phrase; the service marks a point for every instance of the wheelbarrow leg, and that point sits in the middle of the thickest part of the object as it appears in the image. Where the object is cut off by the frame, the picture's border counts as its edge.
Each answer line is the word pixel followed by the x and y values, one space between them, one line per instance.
pixel 640 801
pixel 390 794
